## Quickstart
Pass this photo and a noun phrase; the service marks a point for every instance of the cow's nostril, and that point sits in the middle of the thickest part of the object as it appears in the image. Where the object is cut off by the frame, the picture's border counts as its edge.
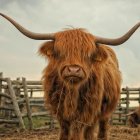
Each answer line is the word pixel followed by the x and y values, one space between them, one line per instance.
pixel 73 69
pixel 73 73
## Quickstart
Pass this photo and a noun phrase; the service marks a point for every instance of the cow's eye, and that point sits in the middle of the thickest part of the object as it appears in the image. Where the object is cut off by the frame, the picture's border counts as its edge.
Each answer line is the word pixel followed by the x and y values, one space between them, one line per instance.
pixel 56 55
pixel 93 57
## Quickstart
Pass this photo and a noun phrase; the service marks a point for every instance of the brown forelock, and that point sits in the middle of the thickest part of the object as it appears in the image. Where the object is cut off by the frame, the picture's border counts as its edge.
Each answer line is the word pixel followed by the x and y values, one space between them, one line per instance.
pixel 74 44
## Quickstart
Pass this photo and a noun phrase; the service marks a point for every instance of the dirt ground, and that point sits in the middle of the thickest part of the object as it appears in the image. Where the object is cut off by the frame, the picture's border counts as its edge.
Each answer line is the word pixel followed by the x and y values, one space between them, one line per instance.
pixel 115 133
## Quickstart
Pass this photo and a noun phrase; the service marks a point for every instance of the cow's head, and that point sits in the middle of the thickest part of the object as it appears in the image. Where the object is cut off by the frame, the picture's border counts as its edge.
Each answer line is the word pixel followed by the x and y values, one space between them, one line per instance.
pixel 71 52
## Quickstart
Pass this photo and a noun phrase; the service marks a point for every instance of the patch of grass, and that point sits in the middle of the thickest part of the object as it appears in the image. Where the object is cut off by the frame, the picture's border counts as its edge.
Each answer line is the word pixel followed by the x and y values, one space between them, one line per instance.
pixel 37 121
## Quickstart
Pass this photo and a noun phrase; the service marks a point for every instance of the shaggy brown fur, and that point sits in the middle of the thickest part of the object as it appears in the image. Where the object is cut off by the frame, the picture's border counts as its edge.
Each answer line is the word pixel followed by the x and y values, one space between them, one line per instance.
pixel 134 118
pixel 80 106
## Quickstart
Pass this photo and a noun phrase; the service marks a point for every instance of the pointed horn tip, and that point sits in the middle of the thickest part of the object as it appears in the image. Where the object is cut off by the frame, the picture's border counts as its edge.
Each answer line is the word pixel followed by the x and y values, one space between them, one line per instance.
pixel 36 36
pixel 117 41
pixel 1 14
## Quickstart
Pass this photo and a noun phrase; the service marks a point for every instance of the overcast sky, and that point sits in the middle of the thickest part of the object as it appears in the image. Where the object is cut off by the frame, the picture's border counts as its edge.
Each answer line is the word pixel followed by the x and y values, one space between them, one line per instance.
pixel 106 18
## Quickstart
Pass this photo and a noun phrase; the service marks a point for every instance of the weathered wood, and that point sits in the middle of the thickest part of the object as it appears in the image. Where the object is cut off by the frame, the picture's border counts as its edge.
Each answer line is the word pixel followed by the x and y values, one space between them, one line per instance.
pixel 131 99
pixel 34 87
pixel 123 102
pixel 120 109
pixel 139 98
pixel 118 123
pixel 122 119
pixel 6 108
pixel 127 103
pixel 56 126
pixel 9 121
pixel 120 112
pixel 130 89
pixel 5 95
pixel 32 100
pixel 21 101
pixel 131 92
pixel 39 88
pixel 1 75
pixel 127 99
pixel 45 113
pixel 15 104
pixel 51 122
pixel 29 82
pixel 31 93
pixel 20 82
pixel 17 88
pixel 27 103
pixel 37 100
pixel 41 113
pixel 3 79
pixel 37 104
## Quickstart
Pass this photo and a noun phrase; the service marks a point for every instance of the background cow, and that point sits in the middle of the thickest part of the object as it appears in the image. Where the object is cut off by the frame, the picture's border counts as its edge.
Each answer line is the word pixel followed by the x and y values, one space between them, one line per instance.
pixel 134 118
pixel 81 81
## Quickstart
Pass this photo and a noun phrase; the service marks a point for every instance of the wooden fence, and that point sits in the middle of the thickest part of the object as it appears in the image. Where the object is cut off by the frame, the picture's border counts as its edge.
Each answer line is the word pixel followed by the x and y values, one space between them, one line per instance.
pixel 18 100
pixel 129 100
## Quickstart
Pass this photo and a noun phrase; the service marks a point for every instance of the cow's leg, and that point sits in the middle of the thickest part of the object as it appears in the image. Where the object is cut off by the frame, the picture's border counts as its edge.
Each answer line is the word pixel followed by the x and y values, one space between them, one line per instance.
pixel 76 132
pixel 103 129
pixel 90 132
pixel 64 130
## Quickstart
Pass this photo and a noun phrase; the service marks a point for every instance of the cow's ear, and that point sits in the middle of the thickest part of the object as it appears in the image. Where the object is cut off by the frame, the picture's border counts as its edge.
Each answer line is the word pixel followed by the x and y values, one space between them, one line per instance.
pixel 101 54
pixel 47 49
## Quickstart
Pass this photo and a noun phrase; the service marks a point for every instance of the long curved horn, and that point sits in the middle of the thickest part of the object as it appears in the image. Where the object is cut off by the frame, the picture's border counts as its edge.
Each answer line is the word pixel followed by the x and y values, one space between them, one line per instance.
pixel 119 40
pixel 36 36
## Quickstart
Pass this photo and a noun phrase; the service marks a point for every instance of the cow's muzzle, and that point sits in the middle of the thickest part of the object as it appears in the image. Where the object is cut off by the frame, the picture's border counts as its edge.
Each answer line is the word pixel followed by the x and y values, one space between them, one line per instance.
pixel 73 73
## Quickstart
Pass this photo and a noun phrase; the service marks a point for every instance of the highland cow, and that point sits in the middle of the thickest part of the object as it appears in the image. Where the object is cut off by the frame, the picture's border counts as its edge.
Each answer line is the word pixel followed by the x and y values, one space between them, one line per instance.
pixel 134 118
pixel 82 80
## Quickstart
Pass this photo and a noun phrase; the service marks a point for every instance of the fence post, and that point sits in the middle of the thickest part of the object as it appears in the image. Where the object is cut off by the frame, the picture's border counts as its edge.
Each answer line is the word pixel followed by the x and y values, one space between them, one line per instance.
pixel 15 103
pixel 120 115
pixel 127 103
pixel 17 87
pixel 29 115
pixel 51 122
pixel 139 97
pixel 1 75
pixel 31 93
